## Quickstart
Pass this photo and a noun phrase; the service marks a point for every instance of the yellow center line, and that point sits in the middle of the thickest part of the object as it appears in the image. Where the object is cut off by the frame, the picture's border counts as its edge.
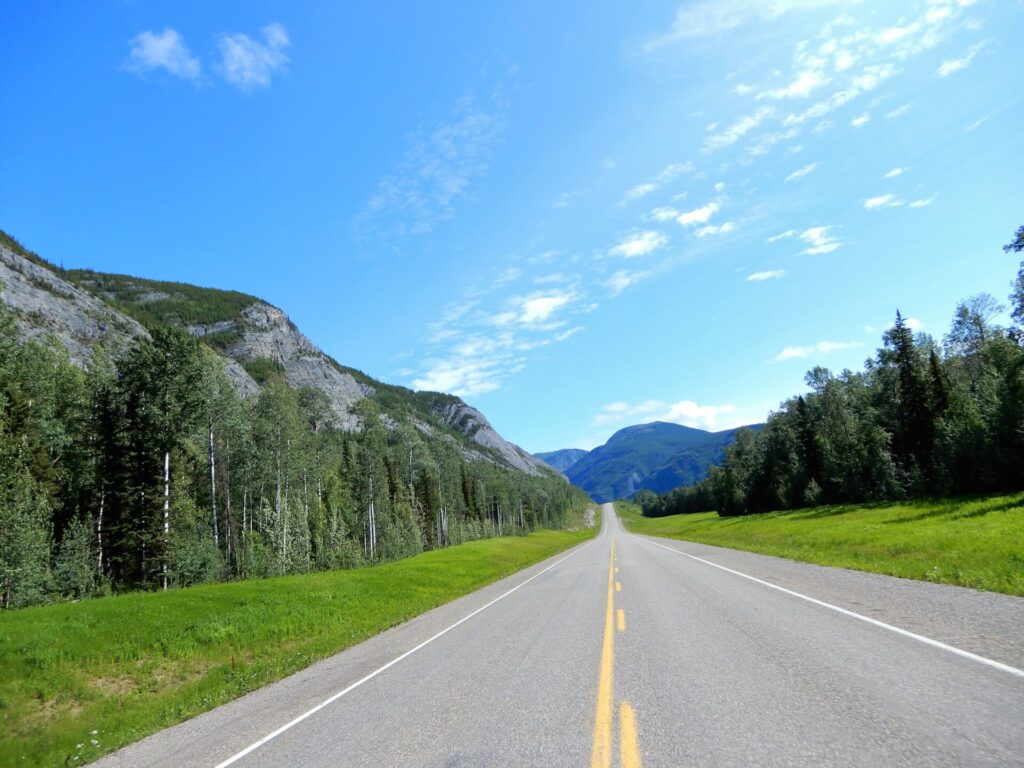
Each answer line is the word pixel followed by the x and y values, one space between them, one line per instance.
pixel 628 747
pixel 618 587
pixel 621 621
pixel 601 754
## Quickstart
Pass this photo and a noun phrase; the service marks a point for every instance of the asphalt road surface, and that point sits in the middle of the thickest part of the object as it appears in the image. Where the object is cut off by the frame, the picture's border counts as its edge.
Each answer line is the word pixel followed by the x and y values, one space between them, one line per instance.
pixel 632 651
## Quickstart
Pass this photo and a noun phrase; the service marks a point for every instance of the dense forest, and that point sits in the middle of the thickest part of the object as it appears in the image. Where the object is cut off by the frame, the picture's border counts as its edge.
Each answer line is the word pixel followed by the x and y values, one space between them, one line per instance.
pixel 925 417
pixel 150 471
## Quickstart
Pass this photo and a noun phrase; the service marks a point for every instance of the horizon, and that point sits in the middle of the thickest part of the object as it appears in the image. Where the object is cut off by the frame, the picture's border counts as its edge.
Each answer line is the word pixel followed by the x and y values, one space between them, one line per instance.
pixel 652 214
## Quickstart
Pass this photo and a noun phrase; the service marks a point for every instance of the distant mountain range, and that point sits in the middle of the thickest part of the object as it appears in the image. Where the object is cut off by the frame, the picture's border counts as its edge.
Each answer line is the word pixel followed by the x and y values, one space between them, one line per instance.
pixel 658 456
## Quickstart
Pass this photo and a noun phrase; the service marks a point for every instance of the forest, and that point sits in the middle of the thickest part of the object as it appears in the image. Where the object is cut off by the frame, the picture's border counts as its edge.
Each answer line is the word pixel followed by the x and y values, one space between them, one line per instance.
pixel 925 417
pixel 151 472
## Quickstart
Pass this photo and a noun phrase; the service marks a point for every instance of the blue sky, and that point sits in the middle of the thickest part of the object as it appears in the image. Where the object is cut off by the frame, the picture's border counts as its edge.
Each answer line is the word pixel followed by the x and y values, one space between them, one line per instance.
pixel 578 216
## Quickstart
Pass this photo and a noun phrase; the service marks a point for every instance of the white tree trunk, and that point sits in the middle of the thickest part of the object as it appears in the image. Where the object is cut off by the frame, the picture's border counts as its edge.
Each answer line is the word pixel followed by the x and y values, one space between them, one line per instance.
pixel 213 492
pixel 167 511
pixel 99 531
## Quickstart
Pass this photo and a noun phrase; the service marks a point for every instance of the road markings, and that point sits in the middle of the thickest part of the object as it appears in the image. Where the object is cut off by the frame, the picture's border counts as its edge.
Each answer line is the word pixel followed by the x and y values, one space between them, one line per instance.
pixel 618 587
pixel 621 621
pixel 308 713
pixel 905 633
pixel 629 749
pixel 601 754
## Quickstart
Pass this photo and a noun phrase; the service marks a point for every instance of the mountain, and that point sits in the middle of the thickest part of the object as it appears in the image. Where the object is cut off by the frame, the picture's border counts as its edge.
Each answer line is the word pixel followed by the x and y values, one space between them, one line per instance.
pixel 256 340
pixel 563 459
pixel 658 456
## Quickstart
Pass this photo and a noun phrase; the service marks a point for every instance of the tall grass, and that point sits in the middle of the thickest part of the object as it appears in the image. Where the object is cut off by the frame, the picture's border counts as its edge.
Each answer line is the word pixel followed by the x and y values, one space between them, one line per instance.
pixel 80 680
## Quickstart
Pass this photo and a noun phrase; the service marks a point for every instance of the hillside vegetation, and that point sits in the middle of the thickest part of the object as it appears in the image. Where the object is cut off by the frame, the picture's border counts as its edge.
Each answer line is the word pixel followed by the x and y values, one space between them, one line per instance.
pixel 926 417
pixel 80 680
pixel 153 468
pixel 970 542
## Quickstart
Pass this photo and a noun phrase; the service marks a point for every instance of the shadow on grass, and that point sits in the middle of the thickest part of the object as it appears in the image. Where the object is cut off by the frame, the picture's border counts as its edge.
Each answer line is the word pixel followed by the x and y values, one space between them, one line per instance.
pixel 954 511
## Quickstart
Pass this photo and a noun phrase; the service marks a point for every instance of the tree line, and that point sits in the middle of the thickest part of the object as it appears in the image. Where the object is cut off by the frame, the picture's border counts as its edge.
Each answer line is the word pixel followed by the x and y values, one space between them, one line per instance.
pixel 151 472
pixel 925 417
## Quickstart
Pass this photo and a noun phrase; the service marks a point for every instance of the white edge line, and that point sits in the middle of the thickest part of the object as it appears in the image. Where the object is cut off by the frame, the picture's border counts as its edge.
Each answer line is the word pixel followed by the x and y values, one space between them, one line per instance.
pixel 257 744
pixel 906 633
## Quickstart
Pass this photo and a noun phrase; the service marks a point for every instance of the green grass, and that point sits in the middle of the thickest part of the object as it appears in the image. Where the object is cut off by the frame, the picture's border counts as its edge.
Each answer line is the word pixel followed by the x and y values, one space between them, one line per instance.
pixel 79 680
pixel 971 542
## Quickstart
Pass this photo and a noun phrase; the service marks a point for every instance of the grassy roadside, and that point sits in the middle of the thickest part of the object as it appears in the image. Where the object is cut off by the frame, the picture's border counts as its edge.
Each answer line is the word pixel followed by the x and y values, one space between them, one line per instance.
pixel 80 680
pixel 975 542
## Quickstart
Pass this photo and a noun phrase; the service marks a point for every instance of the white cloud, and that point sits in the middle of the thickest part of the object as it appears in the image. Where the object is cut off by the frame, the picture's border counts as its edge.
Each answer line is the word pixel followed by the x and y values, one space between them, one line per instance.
pixel 860 120
pixel 883 201
pixel 899 111
pixel 819 240
pixel 684 412
pixel 166 51
pixel 759 277
pixel 722 229
pixel 640 244
pixel 739 128
pixel 667 174
pixel 818 350
pixel 698 215
pixel 622 280
pixel 711 17
pixel 807 81
pixel 950 66
pixel 539 308
pixel 913 323
pixel 809 168
pixel 782 236
pixel 436 170
pixel 895 172
pixel 247 64
pixel 664 214
pixel 924 203
pixel 741 89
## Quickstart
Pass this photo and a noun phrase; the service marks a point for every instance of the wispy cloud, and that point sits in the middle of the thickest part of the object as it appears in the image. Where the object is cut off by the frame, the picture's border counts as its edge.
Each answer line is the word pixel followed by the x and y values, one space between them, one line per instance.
pixel 666 175
pixel 809 168
pixel 685 412
pixel 738 129
pixel 640 244
pixel 622 280
pixel 712 17
pixel 782 236
pixel 820 349
pixel 163 51
pixel 899 111
pixel 760 277
pixel 819 240
pixel 860 120
pixel 716 229
pixel 698 215
pixel 248 64
pixel 923 203
pixel 895 172
pixel 882 201
pixel 478 344
pixel 437 169
pixel 950 66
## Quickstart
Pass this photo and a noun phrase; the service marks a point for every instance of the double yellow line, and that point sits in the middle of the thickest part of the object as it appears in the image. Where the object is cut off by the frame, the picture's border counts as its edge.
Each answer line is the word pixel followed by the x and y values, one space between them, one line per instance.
pixel 629 750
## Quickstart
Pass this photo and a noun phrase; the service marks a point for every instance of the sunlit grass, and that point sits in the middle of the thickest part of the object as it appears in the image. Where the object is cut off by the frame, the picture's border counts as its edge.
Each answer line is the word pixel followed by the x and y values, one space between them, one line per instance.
pixel 972 542
pixel 79 680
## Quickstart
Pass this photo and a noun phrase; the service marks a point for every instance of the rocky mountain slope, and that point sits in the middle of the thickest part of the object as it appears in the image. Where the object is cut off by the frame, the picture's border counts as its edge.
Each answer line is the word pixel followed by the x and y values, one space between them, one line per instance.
pixel 657 456
pixel 256 340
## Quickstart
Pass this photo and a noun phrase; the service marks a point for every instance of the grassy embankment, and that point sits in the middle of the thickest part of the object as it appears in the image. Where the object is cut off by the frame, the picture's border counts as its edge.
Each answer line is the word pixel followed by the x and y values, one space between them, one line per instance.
pixel 971 542
pixel 78 680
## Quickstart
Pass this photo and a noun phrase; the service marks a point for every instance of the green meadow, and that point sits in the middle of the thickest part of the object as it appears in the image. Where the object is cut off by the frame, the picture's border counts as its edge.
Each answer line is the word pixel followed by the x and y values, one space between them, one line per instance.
pixel 971 542
pixel 78 680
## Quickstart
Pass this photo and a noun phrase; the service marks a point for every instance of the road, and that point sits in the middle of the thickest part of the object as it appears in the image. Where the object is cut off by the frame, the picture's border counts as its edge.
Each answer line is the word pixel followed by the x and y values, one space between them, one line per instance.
pixel 630 651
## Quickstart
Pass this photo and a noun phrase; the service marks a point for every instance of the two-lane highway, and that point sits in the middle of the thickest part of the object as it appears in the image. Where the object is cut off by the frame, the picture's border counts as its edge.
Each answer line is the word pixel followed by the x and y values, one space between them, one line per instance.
pixel 635 651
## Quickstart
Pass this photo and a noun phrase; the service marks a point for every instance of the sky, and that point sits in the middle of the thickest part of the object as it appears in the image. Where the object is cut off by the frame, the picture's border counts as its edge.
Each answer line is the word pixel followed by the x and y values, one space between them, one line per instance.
pixel 577 216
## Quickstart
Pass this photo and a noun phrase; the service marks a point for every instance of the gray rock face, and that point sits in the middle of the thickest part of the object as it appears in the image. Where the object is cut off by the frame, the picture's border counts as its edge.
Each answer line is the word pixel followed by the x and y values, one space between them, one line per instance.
pixel 267 333
pixel 474 424
pixel 43 303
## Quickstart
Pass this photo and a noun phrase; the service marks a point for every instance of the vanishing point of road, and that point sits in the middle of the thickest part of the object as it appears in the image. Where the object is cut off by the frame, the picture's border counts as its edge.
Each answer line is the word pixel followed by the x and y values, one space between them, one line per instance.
pixel 629 651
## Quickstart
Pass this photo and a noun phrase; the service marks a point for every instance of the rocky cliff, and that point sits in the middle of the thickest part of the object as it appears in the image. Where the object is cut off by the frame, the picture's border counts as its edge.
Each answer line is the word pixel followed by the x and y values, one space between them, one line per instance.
pixel 256 340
